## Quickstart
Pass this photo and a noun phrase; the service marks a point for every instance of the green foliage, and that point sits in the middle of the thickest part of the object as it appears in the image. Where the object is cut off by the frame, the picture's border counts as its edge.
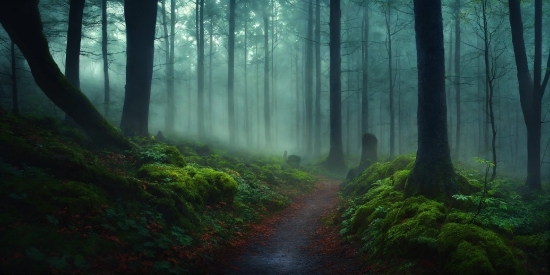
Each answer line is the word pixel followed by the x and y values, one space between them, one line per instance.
pixel 418 230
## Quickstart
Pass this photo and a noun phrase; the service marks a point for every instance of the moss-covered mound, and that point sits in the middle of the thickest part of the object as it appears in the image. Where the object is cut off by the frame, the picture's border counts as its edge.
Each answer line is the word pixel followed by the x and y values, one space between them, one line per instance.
pixel 66 208
pixel 420 235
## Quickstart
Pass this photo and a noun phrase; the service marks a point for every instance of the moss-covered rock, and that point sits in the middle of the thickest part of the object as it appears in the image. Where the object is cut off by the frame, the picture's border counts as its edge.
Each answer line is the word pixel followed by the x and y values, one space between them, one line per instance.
pixel 199 186
pixel 159 153
pixel 467 245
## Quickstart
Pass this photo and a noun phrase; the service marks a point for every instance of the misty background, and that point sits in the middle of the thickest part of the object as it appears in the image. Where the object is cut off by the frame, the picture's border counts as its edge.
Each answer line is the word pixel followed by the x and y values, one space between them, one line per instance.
pixel 391 66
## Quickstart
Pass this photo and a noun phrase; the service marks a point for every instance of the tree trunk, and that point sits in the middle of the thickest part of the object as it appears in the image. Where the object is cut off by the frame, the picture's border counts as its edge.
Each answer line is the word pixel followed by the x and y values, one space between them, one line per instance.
pixel 72 52
pixel 247 122
pixel 21 20
pixel 267 110
pixel 231 73
pixel 14 90
pixel 365 63
pixel 170 108
pixel 335 159
pixel 140 36
pixel 317 134
pixel 200 70
pixel 390 69
pixel 104 36
pixel 530 92
pixel 309 82
pixel 457 77
pixel 433 175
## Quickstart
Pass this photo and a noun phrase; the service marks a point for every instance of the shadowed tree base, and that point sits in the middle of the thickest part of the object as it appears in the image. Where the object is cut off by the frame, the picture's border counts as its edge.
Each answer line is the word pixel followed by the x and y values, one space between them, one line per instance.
pixel 21 20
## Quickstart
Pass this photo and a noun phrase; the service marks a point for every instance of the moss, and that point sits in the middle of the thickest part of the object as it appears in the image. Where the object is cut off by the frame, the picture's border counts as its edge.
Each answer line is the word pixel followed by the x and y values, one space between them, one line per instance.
pixel 499 255
pixel 399 179
pixel 470 259
pixel 467 186
pixel 159 153
pixel 377 171
pixel 537 242
pixel 199 186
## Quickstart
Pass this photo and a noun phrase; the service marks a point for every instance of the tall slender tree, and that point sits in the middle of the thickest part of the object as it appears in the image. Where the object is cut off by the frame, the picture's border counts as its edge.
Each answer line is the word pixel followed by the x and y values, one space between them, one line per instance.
pixel 74 36
pixel 531 89
pixel 140 37
pixel 317 133
pixel 365 70
pixel 105 57
pixel 335 159
pixel 231 73
pixel 457 77
pixel 433 175
pixel 267 110
pixel 200 68
pixel 309 81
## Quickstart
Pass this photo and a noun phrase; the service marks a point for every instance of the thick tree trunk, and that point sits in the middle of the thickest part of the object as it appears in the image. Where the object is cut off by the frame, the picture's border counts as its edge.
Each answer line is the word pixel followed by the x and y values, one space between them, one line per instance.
pixel 530 92
pixel 317 134
pixel 106 85
pixel 140 19
pixel 72 52
pixel 433 175
pixel 335 159
pixel 74 34
pixel 231 73
pixel 21 20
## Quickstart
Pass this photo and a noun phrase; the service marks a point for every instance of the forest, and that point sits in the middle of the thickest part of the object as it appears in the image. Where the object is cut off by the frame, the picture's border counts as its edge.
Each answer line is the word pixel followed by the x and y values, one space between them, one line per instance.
pixel 274 137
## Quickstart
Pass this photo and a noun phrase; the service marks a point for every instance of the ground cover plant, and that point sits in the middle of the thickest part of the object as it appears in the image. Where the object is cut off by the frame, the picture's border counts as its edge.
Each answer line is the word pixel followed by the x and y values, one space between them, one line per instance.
pixel 67 207
pixel 489 227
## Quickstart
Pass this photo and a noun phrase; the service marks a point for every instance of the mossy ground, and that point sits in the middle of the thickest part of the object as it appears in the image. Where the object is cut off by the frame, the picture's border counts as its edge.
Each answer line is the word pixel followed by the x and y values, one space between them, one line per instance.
pixel 68 208
pixel 416 235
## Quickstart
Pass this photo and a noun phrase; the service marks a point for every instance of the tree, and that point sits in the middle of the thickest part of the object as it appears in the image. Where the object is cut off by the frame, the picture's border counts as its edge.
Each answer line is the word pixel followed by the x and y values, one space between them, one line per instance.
pixel 531 89
pixel 433 174
pixel 21 20
pixel 335 159
pixel 106 85
pixel 169 48
pixel 74 35
pixel 267 110
pixel 231 72
pixel 317 134
pixel 140 19
pixel 200 66
pixel 457 76
pixel 309 82
pixel 365 69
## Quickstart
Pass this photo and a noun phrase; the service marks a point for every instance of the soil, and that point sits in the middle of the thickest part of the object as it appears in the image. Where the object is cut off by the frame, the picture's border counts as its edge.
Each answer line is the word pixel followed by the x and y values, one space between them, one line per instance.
pixel 296 241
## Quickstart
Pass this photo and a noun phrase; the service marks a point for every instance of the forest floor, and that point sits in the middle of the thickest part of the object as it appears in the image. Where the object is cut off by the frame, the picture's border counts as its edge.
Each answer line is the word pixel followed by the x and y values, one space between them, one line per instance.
pixel 295 241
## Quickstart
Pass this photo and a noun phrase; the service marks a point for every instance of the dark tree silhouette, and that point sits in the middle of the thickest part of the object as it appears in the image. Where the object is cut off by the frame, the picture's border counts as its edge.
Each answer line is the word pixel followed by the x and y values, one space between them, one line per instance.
pixel 140 37
pixel 21 20
pixel 231 73
pixel 106 85
pixel 74 35
pixel 335 159
pixel 433 174
pixel 531 90
pixel 267 110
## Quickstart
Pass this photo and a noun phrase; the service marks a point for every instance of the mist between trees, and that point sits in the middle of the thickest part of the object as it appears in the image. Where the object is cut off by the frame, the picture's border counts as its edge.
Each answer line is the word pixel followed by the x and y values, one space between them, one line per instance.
pixel 279 94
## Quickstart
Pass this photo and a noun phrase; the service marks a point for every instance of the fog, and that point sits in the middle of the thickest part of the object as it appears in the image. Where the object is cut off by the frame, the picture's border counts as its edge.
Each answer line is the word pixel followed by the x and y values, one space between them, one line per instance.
pixel 287 53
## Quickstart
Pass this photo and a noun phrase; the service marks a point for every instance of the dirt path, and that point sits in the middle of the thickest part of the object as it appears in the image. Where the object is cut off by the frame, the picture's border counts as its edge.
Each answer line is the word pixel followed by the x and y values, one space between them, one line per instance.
pixel 297 242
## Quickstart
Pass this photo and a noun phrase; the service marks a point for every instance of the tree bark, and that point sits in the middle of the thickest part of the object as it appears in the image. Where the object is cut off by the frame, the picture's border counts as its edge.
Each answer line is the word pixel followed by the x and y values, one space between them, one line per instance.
pixel 14 90
pixel 267 111
pixel 21 20
pixel 365 63
pixel 200 70
pixel 140 36
pixel 457 77
pixel 231 73
pixel 104 35
pixel 335 159
pixel 433 175
pixel 309 82
pixel 530 92
pixel 390 69
pixel 72 52
pixel 317 134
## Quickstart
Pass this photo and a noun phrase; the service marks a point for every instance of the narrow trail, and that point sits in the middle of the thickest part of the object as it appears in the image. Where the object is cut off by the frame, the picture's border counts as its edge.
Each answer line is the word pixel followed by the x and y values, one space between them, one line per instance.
pixel 297 243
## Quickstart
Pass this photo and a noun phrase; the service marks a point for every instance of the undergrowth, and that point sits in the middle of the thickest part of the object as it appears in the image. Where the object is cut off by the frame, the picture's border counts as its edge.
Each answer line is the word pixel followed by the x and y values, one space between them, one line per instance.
pixel 68 208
